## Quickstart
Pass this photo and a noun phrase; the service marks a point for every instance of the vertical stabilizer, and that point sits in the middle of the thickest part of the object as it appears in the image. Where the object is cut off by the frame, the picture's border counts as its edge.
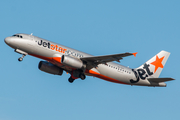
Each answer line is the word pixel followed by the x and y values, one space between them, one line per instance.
pixel 155 65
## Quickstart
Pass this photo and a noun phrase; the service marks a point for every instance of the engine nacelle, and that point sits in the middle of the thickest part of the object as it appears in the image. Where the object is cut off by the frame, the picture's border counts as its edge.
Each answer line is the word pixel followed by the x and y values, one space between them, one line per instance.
pixel 72 62
pixel 50 68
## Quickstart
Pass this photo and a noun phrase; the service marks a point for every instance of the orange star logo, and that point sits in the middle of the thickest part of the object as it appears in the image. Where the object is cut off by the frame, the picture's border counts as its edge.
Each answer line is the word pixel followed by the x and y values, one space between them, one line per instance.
pixel 158 63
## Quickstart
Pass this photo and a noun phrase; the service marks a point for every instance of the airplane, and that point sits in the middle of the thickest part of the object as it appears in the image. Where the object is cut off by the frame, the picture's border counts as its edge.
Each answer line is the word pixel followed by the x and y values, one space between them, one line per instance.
pixel 59 58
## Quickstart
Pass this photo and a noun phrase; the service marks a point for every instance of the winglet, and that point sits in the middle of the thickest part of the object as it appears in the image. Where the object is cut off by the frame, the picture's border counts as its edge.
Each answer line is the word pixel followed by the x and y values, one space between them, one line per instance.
pixel 134 54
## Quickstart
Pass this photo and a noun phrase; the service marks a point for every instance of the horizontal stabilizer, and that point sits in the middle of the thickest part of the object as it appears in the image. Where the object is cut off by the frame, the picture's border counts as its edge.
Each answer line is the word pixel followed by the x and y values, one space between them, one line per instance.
pixel 160 79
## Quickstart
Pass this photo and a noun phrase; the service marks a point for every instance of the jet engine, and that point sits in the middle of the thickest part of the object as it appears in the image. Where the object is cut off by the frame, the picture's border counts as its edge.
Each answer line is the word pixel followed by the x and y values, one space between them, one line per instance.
pixel 50 68
pixel 72 62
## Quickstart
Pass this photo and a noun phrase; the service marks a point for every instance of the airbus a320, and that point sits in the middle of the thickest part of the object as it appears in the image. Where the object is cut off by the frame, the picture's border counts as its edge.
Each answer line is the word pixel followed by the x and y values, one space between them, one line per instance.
pixel 58 58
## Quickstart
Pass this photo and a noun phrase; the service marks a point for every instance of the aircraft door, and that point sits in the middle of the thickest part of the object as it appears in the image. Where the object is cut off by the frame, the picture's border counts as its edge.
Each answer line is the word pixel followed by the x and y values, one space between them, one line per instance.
pixel 121 70
pixel 31 44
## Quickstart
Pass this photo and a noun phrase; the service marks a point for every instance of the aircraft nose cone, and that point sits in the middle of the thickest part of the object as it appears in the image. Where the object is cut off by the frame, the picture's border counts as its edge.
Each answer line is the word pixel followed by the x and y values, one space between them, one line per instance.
pixel 8 40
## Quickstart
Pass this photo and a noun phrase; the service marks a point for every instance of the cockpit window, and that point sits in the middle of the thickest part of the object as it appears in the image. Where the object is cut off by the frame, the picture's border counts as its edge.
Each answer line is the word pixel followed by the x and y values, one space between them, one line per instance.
pixel 18 36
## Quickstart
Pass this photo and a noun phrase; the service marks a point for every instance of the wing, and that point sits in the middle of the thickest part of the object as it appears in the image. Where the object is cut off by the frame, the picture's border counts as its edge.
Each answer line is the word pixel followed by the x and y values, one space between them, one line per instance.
pixel 94 61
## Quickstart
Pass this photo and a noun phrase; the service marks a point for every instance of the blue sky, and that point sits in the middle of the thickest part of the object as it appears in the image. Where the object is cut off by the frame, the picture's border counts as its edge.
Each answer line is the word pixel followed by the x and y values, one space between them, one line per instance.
pixel 99 28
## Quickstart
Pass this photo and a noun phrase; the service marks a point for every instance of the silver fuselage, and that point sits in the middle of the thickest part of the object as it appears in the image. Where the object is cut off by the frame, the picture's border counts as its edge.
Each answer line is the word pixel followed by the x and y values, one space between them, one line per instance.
pixel 48 50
